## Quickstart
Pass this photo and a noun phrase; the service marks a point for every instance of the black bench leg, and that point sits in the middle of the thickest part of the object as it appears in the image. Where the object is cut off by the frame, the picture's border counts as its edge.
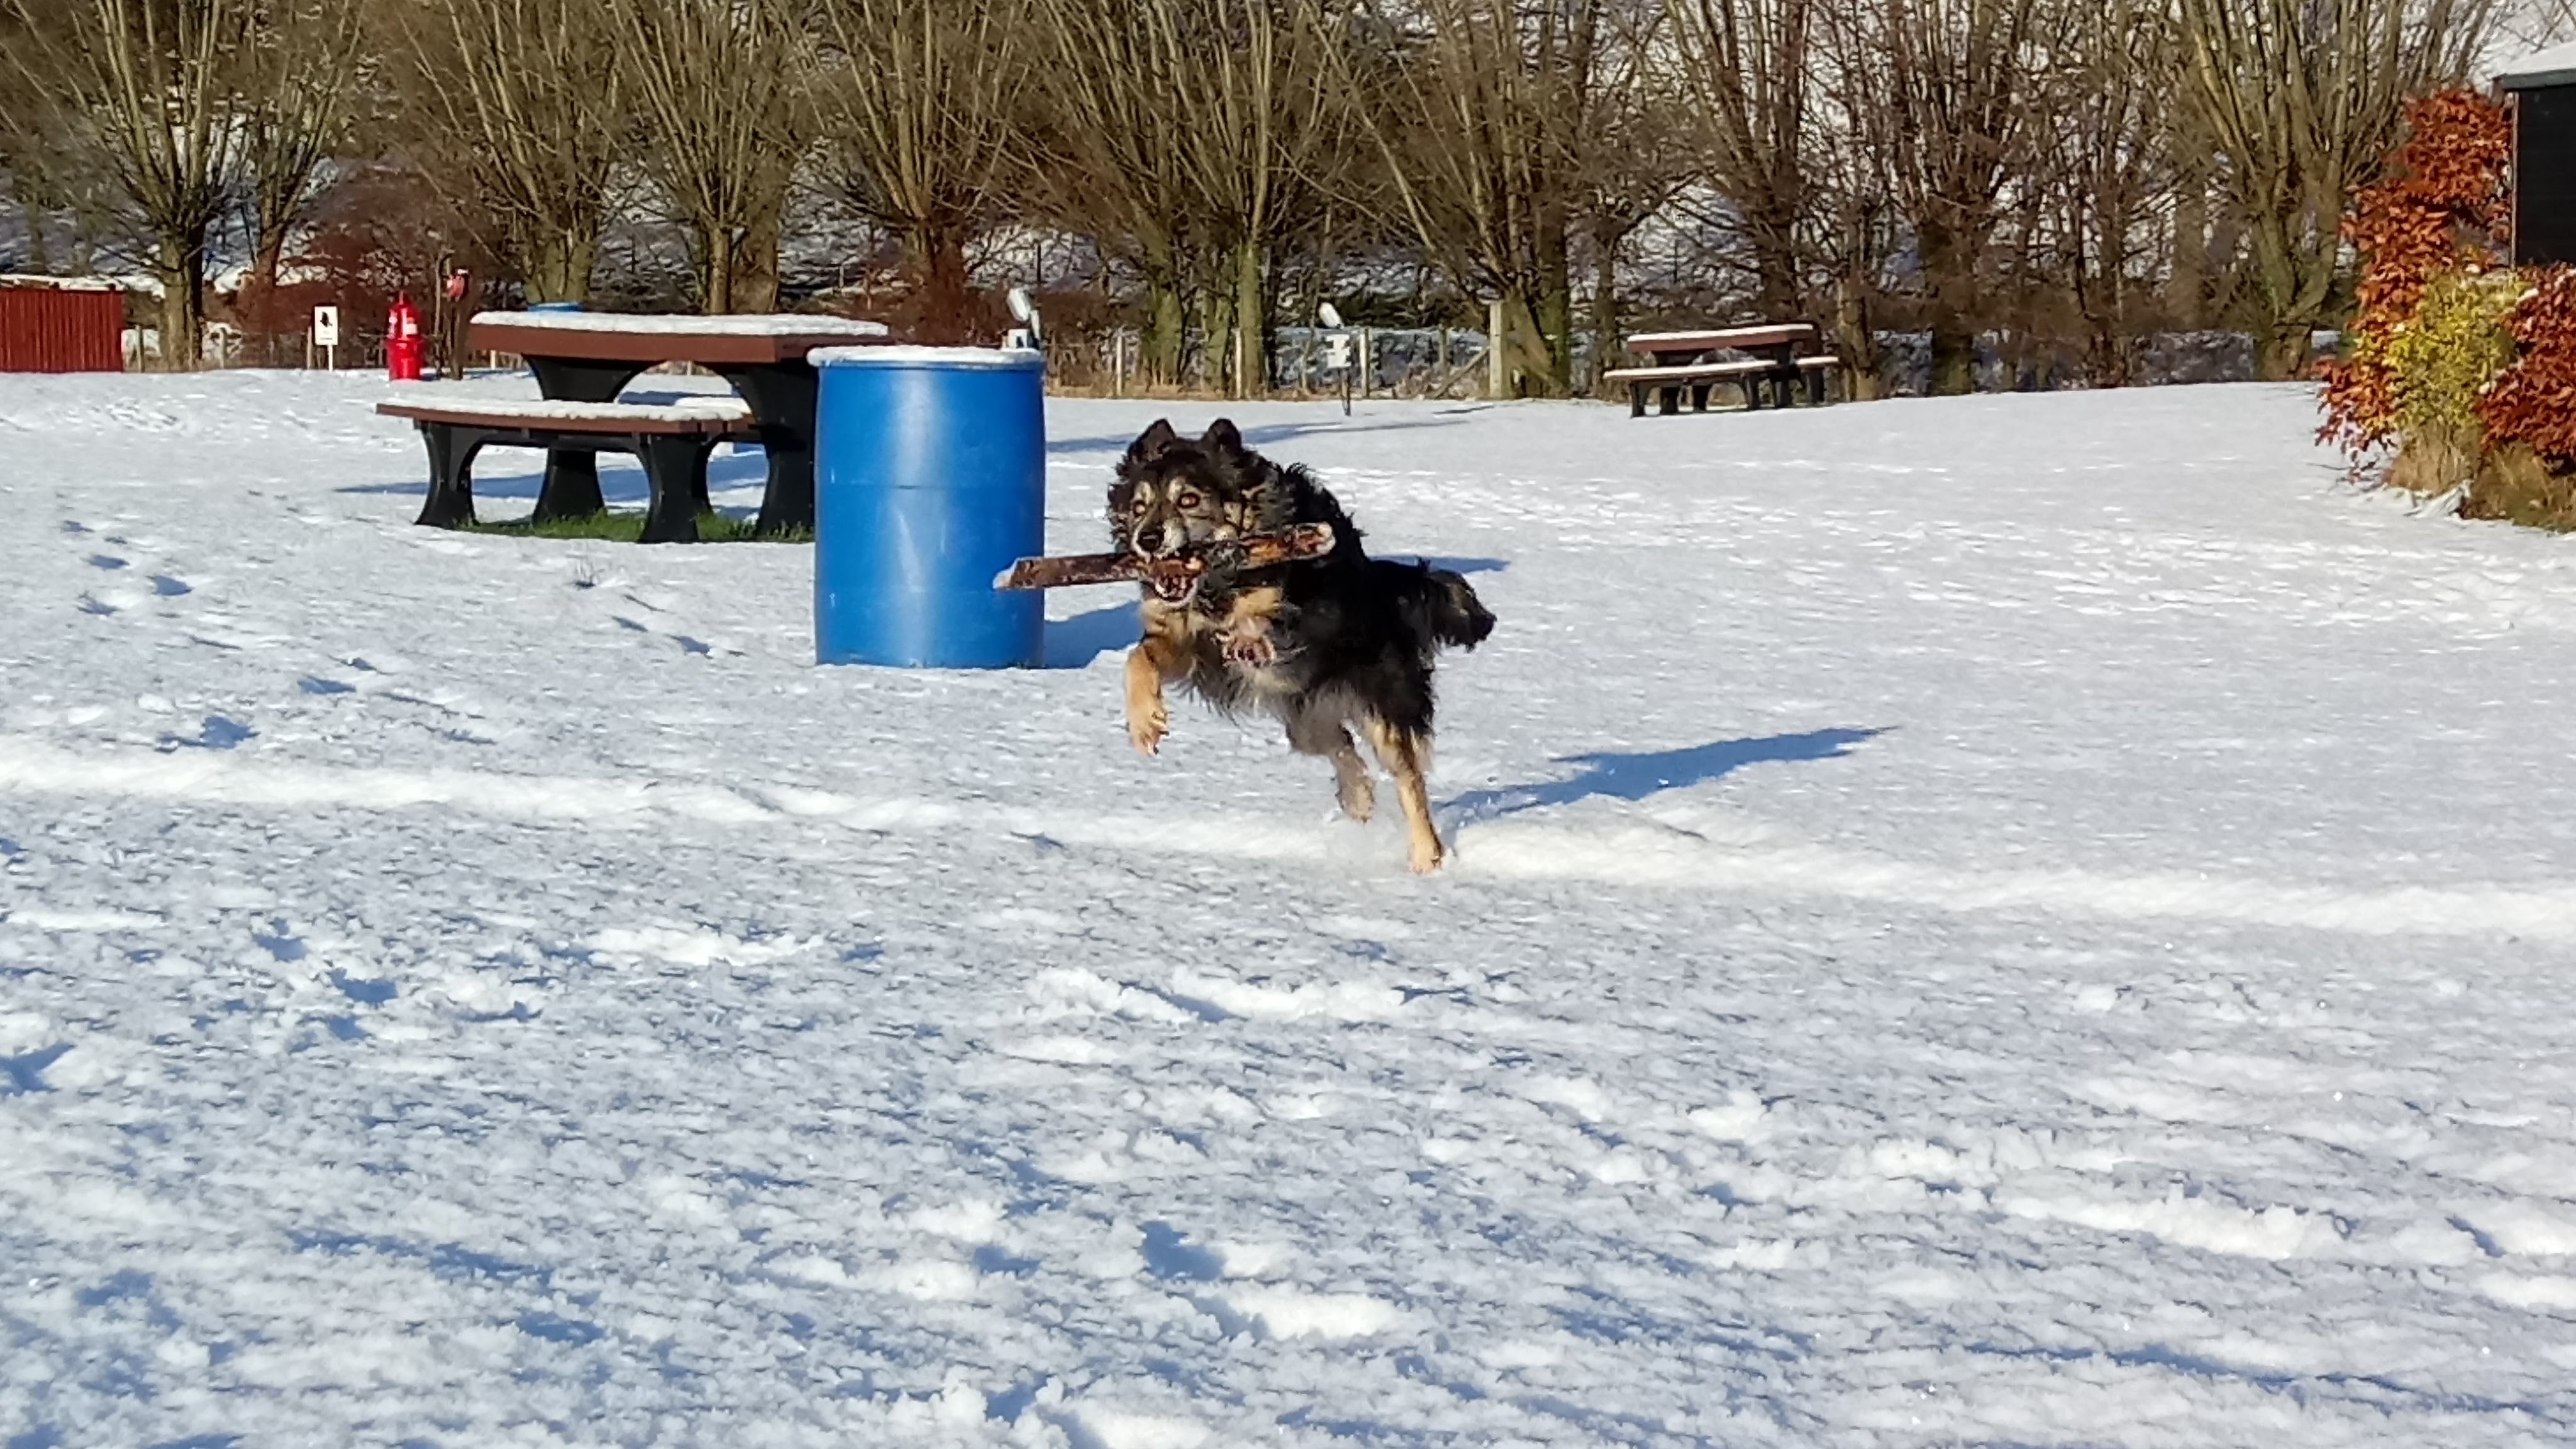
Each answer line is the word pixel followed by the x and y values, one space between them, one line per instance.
pixel 782 397
pixel 1636 399
pixel 571 489
pixel 451 476
pixel 670 463
pixel 1815 387
pixel 1699 397
pixel 1668 401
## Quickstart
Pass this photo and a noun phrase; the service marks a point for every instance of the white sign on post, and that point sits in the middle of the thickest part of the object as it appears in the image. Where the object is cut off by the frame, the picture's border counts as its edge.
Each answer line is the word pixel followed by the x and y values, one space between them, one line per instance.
pixel 326 335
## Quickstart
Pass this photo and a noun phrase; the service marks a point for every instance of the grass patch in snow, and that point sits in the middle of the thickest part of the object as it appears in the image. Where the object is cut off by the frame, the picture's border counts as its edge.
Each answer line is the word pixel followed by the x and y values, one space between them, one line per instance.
pixel 621 527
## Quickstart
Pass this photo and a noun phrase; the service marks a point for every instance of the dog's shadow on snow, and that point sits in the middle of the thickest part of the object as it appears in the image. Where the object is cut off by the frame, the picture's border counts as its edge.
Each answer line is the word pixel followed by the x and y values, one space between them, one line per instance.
pixel 1073 643
pixel 1618 776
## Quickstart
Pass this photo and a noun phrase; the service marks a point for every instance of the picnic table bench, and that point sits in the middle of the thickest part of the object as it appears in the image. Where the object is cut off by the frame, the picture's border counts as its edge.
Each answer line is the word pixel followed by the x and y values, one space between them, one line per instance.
pixel 671 439
pixel 590 357
pixel 1770 363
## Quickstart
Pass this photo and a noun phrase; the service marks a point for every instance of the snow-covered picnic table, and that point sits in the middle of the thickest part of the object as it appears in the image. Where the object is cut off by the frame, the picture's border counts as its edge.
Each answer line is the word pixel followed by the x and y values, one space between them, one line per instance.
pixel 590 357
pixel 1684 359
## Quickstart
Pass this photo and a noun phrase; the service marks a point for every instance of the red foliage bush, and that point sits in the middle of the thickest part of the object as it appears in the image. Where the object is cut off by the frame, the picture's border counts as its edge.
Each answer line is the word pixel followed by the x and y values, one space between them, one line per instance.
pixel 2534 401
pixel 2442 207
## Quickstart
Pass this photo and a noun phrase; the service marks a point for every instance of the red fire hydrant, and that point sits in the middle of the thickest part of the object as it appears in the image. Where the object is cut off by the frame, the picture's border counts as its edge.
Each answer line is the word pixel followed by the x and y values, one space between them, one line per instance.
pixel 402 340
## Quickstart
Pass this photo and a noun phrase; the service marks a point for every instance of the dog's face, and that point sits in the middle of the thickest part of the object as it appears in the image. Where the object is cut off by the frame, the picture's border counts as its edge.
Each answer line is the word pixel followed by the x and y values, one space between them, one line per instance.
pixel 1172 493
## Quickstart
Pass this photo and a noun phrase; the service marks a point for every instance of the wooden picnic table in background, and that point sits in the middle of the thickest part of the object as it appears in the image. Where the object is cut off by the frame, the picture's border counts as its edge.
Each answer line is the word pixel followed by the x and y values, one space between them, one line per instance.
pixel 590 357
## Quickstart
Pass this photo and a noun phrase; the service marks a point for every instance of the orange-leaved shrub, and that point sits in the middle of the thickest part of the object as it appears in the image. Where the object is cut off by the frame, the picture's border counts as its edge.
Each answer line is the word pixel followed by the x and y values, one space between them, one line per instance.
pixel 2442 208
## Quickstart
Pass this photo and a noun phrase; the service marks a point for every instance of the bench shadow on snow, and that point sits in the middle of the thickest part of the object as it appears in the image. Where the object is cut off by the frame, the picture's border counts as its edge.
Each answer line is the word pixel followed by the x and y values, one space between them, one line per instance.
pixel 621 481
pixel 1636 776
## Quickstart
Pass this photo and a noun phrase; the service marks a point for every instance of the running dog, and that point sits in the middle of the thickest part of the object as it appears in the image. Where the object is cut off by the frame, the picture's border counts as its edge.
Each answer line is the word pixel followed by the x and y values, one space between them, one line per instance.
pixel 1320 646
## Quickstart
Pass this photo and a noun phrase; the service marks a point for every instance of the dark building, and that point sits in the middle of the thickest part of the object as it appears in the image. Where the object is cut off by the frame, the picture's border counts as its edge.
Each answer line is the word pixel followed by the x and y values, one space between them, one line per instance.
pixel 2542 92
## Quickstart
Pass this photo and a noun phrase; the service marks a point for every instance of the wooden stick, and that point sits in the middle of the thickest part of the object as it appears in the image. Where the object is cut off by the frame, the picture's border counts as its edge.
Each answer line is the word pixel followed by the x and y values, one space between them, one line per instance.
pixel 1259 550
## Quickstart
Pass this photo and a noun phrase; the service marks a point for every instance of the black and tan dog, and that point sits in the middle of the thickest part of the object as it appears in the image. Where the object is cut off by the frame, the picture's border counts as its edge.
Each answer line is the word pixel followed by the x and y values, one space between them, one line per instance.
pixel 1321 645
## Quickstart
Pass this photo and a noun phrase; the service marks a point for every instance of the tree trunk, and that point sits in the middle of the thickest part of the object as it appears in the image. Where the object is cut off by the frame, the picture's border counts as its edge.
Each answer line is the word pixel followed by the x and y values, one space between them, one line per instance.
pixel 2281 351
pixel 1952 313
pixel 1251 322
pixel 715 267
pixel 2189 296
pixel 1165 321
pixel 755 260
pixel 1856 341
pixel 180 263
pixel 1555 317
pixel 936 257
pixel 557 267
pixel 258 304
pixel 1605 306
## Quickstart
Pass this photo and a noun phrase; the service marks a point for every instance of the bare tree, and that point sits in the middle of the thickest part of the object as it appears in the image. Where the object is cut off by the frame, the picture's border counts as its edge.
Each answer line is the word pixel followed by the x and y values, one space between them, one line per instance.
pixel 147 88
pixel 722 132
pixel 1956 82
pixel 299 75
pixel 915 104
pixel 521 103
pixel 2108 166
pixel 2302 99
pixel 1108 152
pixel 1747 67
pixel 1486 130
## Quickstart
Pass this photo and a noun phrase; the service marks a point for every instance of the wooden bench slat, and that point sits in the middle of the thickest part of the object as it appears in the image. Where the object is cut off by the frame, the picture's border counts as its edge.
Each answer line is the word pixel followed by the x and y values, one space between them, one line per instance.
pixel 573 417
pixel 1684 372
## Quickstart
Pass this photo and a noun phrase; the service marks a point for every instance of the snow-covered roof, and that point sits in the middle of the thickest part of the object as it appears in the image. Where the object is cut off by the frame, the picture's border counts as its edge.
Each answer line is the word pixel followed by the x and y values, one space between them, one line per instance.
pixel 60 284
pixel 928 356
pixel 760 324
pixel 2555 66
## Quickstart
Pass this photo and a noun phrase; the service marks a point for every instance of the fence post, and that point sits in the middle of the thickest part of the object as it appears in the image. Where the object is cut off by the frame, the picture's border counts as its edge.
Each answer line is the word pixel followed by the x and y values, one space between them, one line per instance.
pixel 1368 361
pixel 1117 362
pixel 1498 373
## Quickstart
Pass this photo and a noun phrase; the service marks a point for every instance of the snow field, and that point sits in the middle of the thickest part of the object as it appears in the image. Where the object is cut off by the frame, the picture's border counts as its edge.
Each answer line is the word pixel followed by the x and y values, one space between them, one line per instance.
pixel 2015 920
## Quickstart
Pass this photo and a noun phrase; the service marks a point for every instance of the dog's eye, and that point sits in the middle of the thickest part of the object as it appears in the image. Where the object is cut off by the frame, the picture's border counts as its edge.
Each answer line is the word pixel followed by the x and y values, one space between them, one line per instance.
pixel 1187 500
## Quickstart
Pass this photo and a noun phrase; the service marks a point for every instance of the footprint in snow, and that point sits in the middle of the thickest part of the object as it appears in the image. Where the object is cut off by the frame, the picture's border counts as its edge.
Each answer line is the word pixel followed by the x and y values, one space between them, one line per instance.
pixel 168 587
pixel 312 685
pixel 107 561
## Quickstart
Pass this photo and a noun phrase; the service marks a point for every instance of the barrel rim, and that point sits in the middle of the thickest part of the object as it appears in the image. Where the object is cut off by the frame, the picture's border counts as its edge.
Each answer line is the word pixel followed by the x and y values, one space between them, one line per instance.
pixel 916 355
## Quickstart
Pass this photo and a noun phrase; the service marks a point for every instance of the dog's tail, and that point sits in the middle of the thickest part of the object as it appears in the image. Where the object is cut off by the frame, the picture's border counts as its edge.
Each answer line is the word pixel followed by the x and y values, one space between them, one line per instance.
pixel 1441 605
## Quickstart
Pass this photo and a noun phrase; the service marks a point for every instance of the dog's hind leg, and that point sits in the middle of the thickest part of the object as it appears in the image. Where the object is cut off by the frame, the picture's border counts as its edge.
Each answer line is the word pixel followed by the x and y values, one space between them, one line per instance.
pixel 1313 733
pixel 1407 756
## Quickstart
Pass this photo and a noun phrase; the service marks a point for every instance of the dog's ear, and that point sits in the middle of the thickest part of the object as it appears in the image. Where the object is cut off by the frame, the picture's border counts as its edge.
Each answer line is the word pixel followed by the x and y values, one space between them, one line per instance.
pixel 1223 439
pixel 1150 443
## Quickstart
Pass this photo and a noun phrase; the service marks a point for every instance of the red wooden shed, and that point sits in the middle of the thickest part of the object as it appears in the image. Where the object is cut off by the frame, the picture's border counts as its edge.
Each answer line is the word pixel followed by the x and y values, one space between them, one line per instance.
pixel 61 324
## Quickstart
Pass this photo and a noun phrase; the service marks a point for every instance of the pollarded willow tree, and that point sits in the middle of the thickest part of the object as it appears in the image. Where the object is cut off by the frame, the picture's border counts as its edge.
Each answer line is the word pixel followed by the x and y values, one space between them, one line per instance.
pixel 520 103
pixel 916 102
pixel 1747 69
pixel 1489 119
pixel 300 71
pixel 2303 99
pixel 723 131
pixel 147 90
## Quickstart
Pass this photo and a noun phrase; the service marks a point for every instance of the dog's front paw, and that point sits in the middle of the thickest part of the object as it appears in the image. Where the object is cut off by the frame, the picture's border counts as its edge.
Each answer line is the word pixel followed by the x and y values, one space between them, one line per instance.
pixel 1147 725
pixel 1250 648
pixel 1427 855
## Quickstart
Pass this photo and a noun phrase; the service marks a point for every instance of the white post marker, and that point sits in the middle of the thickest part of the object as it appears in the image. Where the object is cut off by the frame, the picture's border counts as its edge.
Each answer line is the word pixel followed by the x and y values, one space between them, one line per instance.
pixel 326 335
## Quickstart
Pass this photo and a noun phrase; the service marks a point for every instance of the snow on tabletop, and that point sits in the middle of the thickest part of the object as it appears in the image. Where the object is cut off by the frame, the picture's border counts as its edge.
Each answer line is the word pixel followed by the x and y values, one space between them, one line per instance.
pixel 773 324
pixel 2021 919
pixel 913 355
pixel 540 409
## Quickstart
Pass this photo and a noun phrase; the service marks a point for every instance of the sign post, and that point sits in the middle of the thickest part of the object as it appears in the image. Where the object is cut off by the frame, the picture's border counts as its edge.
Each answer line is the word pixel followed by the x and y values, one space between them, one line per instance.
pixel 326 335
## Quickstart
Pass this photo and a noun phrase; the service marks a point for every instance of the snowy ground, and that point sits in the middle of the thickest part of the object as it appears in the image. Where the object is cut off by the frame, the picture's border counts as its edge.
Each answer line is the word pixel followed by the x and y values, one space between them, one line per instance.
pixel 2022 920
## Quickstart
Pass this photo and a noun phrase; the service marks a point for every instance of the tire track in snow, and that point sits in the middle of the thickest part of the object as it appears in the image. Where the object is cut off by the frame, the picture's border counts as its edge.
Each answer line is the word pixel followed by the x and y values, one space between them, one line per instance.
pixel 1633 856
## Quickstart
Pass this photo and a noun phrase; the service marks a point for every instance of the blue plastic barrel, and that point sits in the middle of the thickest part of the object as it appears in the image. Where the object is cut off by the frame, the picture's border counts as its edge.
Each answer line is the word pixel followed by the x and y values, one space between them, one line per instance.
pixel 929 479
